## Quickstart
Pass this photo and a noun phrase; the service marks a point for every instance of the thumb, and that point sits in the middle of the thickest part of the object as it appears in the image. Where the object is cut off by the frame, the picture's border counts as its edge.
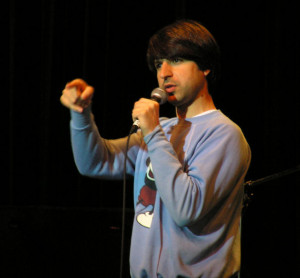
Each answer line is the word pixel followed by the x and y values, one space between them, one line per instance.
pixel 88 93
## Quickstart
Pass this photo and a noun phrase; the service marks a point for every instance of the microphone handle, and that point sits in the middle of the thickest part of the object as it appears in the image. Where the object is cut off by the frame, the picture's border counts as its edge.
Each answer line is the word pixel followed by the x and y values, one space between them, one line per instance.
pixel 135 126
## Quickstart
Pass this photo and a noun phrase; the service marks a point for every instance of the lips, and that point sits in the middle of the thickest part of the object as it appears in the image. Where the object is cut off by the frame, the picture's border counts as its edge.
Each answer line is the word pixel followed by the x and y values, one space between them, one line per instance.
pixel 170 88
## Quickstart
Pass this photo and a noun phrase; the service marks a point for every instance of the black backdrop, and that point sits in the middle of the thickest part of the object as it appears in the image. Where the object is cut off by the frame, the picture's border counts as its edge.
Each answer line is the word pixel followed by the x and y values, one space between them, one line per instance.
pixel 51 216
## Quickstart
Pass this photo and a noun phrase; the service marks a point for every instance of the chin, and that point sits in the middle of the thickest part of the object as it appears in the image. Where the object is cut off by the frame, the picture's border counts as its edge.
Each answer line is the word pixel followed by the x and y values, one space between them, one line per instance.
pixel 172 98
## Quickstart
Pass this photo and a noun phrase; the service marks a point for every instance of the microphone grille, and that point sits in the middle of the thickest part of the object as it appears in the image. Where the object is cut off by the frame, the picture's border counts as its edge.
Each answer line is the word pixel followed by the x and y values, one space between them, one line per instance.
pixel 159 95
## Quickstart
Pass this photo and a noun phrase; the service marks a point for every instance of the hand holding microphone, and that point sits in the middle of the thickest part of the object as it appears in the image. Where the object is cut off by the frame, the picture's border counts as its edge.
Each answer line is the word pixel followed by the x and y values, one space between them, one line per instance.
pixel 145 113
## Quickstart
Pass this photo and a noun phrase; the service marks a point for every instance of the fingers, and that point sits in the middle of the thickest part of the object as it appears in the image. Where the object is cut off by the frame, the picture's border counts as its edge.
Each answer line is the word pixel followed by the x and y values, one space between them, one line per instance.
pixel 147 111
pixel 79 83
pixel 145 106
pixel 77 95
pixel 69 99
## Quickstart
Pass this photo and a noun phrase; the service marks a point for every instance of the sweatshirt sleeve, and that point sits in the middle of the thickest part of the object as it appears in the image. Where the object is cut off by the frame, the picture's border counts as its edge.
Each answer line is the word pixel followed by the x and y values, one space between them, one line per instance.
pixel 98 157
pixel 214 169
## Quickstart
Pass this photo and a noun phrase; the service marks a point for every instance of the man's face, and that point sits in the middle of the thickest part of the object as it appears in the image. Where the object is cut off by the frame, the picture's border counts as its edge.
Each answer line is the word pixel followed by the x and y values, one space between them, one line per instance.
pixel 181 79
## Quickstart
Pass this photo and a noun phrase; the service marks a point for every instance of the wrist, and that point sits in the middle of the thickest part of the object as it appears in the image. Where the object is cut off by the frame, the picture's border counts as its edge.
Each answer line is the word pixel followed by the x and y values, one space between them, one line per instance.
pixel 83 119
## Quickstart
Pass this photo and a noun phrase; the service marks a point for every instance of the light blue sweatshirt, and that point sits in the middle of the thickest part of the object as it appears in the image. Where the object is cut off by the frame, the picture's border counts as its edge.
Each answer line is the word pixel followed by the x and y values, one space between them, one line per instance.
pixel 188 193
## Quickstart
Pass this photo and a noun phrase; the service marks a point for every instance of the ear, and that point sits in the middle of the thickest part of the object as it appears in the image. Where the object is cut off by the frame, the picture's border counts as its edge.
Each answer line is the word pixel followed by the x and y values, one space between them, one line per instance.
pixel 206 72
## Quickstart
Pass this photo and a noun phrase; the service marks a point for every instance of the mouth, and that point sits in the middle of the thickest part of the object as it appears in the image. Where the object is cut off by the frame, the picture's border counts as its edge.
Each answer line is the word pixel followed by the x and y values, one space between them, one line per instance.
pixel 170 88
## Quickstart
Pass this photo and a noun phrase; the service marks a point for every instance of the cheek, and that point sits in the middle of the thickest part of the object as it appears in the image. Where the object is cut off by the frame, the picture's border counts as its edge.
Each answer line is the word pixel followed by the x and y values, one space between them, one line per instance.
pixel 159 81
pixel 197 80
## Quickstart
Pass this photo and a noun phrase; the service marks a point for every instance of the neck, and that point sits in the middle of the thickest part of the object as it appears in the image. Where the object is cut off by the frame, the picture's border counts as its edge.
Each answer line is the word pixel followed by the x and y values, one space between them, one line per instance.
pixel 202 104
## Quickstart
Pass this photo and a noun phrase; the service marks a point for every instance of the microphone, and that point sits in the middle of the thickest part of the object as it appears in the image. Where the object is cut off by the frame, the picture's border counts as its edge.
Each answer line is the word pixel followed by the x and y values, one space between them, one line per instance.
pixel 158 95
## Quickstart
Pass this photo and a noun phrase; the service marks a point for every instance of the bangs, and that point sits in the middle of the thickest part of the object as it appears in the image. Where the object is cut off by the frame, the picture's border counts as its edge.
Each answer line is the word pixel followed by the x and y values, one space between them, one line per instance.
pixel 158 49
pixel 188 40
pixel 191 43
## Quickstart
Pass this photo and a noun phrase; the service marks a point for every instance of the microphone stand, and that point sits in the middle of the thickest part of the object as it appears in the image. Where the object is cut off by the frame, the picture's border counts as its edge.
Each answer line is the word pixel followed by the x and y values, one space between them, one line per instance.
pixel 249 185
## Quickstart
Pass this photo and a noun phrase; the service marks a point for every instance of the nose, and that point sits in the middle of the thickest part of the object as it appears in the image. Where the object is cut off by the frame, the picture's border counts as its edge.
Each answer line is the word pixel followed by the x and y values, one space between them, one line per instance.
pixel 165 70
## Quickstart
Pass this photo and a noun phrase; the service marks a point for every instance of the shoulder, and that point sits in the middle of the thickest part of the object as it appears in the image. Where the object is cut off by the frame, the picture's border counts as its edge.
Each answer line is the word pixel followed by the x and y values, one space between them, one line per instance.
pixel 215 127
pixel 214 121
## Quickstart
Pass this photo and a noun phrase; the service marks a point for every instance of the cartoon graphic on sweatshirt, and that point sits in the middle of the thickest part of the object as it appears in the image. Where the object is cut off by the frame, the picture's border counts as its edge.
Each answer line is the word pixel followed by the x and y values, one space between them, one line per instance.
pixel 147 197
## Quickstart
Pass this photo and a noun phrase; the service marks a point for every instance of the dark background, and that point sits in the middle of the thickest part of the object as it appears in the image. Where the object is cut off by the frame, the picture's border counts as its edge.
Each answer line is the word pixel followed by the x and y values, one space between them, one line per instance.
pixel 54 221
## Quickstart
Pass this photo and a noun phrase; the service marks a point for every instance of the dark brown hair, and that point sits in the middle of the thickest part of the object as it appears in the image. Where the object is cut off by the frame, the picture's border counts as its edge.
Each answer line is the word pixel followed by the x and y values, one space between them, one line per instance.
pixel 186 39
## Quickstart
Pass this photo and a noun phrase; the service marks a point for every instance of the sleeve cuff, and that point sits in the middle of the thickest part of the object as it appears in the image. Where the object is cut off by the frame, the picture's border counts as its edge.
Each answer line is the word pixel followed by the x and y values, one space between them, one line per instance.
pixel 81 120
pixel 148 137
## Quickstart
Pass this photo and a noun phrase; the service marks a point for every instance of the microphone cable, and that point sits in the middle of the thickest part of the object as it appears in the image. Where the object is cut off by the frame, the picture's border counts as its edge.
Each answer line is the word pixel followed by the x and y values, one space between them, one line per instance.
pixel 160 96
pixel 124 208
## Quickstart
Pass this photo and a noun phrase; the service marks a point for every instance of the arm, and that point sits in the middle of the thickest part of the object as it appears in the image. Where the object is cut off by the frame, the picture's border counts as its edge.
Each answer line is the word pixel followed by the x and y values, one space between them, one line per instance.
pixel 94 156
pixel 98 157
pixel 213 173
pixel 211 176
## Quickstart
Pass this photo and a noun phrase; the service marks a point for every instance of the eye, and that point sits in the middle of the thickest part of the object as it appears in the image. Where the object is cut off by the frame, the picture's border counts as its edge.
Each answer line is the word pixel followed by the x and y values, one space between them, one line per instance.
pixel 176 60
pixel 157 64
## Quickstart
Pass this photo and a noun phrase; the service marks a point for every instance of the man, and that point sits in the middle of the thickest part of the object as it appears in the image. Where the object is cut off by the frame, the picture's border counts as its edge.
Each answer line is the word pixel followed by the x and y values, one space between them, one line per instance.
pixel 188 171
